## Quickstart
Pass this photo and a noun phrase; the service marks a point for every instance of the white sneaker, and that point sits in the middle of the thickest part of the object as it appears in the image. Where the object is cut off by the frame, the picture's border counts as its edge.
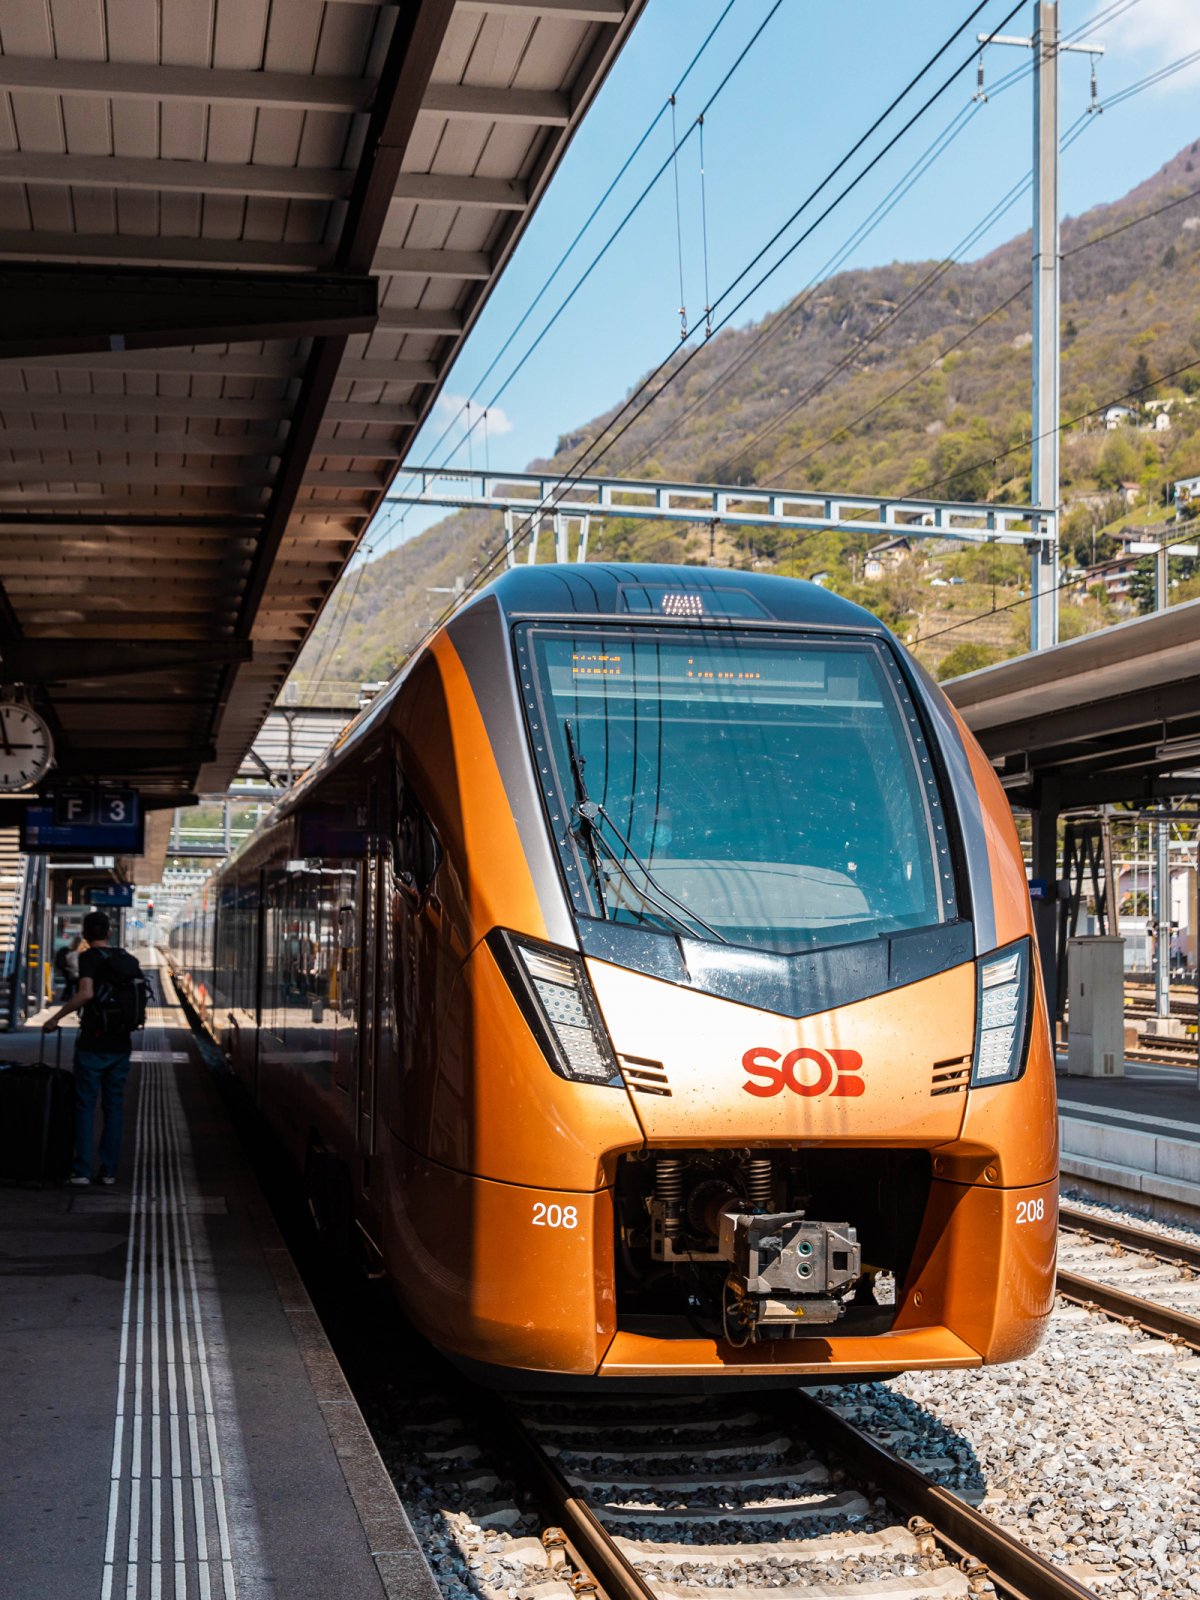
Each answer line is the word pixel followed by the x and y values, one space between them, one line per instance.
pixel 80 1182
pixel 107 1180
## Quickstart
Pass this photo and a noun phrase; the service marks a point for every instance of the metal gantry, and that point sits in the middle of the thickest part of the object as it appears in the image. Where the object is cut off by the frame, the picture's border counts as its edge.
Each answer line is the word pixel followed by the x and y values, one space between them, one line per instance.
pixel 544 496
pixel 532 501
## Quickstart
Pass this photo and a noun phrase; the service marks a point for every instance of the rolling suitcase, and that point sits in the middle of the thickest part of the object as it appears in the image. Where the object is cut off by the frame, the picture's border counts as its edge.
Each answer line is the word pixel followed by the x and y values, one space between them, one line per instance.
pixel 37 1121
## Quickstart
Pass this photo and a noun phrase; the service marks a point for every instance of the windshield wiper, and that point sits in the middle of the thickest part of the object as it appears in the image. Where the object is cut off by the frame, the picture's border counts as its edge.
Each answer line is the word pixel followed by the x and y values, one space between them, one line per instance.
pixel 585 829
pixel 591 813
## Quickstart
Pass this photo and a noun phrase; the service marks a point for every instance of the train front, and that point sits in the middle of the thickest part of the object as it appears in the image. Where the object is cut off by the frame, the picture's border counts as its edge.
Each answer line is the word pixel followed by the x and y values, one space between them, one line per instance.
pixel 796 1034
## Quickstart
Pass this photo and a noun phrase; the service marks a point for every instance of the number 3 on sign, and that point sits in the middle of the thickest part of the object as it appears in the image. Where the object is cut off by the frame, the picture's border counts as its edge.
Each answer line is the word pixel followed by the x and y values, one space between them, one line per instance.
pixel 1031 1211
pixel 552 1216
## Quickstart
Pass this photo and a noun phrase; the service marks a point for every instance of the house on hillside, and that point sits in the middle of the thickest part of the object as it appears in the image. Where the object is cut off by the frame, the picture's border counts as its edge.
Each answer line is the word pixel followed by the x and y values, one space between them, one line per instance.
pixel 885 557
pixel 1186 492
pixel 1117 416
pixel 1117 578
pixel 1131 493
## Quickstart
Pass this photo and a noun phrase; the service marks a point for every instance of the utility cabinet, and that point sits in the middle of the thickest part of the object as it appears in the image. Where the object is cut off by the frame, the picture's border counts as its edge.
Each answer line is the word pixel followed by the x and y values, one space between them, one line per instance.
pixel 1096 997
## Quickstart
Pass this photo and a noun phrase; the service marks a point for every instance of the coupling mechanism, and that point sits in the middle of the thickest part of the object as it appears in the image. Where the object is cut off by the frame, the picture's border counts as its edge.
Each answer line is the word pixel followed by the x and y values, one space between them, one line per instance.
pixel 786 1272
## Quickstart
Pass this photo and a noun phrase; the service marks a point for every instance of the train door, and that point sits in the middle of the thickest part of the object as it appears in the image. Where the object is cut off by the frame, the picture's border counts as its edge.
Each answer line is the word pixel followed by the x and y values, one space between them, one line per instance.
pixel 258 966
pixel 366 1110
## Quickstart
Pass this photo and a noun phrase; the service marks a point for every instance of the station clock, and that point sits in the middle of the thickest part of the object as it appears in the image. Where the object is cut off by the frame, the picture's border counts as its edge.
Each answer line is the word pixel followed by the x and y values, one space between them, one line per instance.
pixel 26 748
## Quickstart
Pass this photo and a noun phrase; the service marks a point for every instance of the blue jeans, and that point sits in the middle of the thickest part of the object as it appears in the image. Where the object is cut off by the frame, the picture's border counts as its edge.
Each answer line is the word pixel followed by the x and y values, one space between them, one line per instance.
pixel 99 1074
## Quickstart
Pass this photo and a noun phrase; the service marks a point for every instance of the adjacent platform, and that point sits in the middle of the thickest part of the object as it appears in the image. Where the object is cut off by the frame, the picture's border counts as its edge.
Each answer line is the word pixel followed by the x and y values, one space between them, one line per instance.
pixel 1139 1134
pixel 173 1418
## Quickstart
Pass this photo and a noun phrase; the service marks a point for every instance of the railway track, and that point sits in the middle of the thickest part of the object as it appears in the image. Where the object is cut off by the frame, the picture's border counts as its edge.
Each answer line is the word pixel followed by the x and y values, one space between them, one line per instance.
pixel 1164 1055
pixel 669 1499
pixel 1133 1273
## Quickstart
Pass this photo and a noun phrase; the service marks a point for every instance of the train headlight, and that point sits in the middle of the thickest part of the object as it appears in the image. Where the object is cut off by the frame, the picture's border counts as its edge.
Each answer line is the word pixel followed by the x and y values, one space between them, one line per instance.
pixel 553 991
pixel 1002 1010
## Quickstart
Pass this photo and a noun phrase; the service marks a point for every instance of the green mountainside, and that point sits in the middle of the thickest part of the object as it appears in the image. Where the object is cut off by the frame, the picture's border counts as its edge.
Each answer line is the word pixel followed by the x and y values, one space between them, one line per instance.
pixel 867 384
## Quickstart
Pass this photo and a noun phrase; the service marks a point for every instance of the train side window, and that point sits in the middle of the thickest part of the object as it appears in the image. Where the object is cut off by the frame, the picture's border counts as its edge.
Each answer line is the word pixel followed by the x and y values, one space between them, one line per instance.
pixel 416 848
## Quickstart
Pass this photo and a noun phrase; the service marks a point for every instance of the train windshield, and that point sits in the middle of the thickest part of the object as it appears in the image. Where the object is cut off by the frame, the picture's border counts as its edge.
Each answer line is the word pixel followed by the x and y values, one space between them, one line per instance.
pixel 765 790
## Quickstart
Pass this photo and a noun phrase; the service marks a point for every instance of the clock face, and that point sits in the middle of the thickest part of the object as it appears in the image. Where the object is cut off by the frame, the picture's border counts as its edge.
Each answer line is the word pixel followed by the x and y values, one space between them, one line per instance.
pixel 26 749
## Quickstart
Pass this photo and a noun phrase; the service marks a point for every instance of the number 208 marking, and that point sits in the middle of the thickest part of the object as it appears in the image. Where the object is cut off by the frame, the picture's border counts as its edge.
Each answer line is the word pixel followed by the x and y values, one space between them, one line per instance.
pixel 553 1216
pixel 1031 1211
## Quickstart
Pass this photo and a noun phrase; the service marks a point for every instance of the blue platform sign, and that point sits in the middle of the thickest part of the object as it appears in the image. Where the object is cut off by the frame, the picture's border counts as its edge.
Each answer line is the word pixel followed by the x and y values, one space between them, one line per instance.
pixel 114 894
pixel 92 820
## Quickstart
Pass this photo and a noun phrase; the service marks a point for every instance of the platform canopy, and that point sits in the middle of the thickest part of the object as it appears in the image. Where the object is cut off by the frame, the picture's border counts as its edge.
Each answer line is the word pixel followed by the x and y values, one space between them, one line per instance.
pixel 1113 716
pixel 240 245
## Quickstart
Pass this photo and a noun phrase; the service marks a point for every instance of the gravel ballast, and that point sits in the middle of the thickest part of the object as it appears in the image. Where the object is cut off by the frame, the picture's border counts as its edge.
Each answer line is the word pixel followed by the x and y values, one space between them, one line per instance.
pixel 1088 1450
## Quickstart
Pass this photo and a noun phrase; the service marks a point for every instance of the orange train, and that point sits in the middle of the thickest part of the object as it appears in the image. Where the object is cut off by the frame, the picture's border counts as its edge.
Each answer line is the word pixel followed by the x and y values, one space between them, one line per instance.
pixel 646 983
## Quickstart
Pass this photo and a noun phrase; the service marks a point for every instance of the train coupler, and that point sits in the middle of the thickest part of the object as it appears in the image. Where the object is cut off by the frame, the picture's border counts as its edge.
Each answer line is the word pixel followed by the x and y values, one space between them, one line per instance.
pixel 787 1273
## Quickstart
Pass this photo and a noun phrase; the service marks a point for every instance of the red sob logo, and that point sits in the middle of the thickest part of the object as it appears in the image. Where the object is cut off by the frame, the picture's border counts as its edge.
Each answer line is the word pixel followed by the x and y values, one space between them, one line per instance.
pixel 804 1071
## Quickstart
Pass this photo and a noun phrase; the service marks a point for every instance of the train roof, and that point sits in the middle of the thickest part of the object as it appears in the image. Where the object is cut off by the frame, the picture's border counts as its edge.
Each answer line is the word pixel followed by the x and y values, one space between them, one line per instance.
pixel 636 590
pixel 708 594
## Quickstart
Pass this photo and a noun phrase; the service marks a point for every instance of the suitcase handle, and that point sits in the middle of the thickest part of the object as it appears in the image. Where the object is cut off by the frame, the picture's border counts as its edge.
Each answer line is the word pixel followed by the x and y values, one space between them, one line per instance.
pixel 41 1060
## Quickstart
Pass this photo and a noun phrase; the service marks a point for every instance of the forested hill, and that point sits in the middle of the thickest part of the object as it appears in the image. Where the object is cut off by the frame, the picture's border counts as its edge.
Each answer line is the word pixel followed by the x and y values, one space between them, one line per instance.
pixel 886 380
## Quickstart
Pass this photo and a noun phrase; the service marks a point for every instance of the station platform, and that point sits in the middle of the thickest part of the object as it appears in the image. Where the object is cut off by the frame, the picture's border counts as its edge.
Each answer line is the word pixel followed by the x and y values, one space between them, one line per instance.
pixel 173 1419
pixel 1136 1134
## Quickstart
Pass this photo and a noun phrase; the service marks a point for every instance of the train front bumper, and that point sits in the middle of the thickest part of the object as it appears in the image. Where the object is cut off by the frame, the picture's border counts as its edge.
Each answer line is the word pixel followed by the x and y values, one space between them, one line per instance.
pixel 521 1282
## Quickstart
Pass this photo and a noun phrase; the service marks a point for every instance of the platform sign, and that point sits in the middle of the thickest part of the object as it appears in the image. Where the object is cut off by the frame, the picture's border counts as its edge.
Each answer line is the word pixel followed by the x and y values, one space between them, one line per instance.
pixel 96 808
pixel 114 894
pixel 85 820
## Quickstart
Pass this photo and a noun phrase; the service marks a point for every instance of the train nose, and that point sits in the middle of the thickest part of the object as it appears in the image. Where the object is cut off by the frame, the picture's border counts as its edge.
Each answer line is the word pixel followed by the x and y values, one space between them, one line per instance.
pixel 892 1069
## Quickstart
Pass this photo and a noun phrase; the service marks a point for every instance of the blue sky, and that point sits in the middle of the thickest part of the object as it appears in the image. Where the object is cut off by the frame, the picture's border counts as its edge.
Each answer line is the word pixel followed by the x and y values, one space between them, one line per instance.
pixel 817 77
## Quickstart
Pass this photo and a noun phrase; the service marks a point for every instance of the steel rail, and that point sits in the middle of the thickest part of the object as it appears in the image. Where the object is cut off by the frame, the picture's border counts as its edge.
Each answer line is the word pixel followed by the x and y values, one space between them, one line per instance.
pixel 1174 1251
pixel 1161 1320
pixel 967 1535
pixel 589 1543
pixel 1018 1572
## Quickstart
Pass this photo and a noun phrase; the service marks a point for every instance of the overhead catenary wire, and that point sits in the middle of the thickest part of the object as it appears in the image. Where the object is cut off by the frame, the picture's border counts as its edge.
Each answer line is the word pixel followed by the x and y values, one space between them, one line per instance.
pixel 381 538
pixel 777 324
pixel 694 127
pixel 917 293
pixel 683 324
pixel 704 233
pixel 1077 128
pixel 366 554
pixel 607 446
pixel 594 452
pixel 997 310
pixel 1081 416
pixel 780 320
pixel 1076 582
pixel 614 234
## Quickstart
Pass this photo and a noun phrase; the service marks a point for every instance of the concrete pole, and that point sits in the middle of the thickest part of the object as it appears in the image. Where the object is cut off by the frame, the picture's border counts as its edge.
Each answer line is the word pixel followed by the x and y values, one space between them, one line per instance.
pixel 1043 626
pixel 1162 921
pixel 1161 905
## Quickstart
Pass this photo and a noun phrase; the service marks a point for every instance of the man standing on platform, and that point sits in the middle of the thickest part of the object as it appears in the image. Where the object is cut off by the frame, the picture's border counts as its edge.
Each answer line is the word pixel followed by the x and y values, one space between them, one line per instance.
pixel 111 996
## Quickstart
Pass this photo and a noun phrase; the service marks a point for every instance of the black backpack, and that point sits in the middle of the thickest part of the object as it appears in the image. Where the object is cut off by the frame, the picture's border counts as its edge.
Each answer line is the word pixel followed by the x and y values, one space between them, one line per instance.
pixel 119 1002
